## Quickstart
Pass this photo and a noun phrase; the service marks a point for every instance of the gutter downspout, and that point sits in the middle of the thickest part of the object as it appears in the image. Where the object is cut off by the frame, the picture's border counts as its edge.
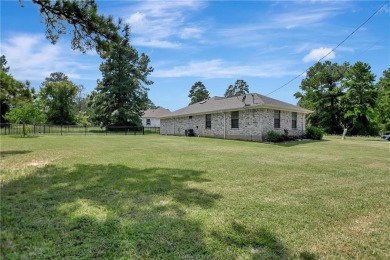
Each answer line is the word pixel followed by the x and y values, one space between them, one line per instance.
pixel 224 125
pixel 174 126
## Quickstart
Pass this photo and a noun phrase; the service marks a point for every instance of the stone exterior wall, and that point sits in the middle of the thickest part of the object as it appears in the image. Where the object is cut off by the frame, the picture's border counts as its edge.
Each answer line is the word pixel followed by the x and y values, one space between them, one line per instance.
pixel 253 124
pixel 154 122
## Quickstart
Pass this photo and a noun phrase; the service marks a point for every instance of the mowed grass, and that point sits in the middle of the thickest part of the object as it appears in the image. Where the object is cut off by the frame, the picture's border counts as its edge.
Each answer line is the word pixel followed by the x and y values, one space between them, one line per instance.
pixel 148 197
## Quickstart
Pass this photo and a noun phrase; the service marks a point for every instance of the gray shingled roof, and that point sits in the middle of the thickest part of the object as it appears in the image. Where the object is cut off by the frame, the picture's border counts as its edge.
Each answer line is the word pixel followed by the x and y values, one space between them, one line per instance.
pixel 156 113
pixel 248 101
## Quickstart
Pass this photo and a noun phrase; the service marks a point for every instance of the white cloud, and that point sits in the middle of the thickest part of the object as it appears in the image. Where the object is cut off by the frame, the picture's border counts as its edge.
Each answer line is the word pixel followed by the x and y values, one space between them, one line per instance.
pixel 306 17
pixel 271 27
pixel 218 68
pixel 319 53
pixel 156 43
pixel 32 57
pixel 156 22
pixel 191 32
pixel 136 18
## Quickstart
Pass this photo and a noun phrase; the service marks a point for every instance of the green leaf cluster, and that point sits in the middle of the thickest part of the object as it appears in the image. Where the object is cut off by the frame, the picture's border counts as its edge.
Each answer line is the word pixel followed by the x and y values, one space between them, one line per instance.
pixel 26 113
pixel 341 97
pixel 198 92
pixel 80 19
pixel 314 133
pixel 121 96
pixel 12 91
pixel 239 88
pixel 58 95
pixel 383 101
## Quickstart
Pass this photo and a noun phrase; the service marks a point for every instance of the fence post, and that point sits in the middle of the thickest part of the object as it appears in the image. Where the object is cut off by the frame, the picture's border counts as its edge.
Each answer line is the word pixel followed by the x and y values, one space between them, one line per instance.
pixel 61 129
pixel 85 129
pixel 143 130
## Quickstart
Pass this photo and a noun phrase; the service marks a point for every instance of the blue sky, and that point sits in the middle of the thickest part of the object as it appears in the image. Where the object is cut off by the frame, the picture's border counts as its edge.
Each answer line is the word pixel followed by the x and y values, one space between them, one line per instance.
pixel 265 43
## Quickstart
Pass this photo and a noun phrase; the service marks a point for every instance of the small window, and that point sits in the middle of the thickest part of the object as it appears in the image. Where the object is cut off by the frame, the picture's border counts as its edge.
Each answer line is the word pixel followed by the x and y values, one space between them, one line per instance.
pixel 208 121
pixel 294 120
pixel 235 119
pixel 148 121
pixel 190 117
pixel 276 118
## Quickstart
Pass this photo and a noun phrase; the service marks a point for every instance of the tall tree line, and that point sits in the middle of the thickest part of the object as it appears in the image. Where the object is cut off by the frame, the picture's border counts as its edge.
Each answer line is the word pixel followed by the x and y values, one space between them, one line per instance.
pixel 344 98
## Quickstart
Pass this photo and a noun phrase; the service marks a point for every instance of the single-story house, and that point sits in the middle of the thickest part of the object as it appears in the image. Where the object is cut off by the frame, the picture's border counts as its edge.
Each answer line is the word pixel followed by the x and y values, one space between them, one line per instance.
pixel 151 117
pixel 246 117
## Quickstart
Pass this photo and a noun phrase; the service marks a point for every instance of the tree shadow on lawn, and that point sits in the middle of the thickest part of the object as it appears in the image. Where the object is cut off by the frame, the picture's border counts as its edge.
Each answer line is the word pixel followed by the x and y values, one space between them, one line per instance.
pixel 113 211
pixel 259 242
pixel 13 152
pixel 295 143
pixel 27 136
pixel 103 211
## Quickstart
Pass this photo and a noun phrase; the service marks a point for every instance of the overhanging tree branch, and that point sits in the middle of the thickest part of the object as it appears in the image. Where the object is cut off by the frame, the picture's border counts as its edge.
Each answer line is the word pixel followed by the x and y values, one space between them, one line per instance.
pixel 80 18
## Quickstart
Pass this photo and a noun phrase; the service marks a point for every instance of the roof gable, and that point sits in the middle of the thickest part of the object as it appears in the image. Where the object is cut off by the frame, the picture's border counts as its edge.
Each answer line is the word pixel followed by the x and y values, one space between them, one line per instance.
pixel 156 113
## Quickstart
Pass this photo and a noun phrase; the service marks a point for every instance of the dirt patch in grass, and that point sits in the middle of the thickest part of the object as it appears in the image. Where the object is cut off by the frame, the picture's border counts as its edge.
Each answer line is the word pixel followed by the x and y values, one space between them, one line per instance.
pixel 38 163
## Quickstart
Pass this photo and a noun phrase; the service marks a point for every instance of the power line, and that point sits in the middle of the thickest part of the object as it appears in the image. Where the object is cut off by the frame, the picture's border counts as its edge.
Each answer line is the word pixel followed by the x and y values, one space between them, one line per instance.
pixel 338 45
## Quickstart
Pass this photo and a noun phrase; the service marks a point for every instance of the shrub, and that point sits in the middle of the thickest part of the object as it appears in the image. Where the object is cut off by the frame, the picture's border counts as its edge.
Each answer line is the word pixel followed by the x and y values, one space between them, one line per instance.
pixel 385 127
pixel 274 137
pixel 314 133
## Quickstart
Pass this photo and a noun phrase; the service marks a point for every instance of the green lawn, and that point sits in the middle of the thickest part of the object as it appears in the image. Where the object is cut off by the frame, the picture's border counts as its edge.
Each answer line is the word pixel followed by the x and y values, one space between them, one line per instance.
pixel 145 197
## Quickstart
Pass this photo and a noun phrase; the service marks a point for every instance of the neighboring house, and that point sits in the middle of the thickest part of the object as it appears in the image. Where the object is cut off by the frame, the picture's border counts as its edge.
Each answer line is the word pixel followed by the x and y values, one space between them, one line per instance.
pixel 151 117
pixel 246 117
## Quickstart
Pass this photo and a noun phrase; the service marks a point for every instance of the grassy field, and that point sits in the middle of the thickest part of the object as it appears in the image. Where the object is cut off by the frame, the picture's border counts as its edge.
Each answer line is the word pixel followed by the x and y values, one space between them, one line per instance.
pixel 147 197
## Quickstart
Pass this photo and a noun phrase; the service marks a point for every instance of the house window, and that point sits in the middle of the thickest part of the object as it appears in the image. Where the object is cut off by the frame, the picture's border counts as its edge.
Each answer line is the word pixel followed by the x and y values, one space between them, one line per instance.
pixel 276 118
pixel 208 121
pixel 148 121
pixel 235 121
pixel 294 120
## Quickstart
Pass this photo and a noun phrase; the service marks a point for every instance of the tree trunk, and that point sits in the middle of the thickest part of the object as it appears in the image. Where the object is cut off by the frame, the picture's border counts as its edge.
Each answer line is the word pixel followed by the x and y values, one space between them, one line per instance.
pixel 24 129
pixel 344 133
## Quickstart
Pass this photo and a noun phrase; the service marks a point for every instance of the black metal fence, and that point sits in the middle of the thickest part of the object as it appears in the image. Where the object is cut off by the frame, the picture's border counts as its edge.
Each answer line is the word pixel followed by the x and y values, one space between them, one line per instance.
pixel 151 130
pixel 15 129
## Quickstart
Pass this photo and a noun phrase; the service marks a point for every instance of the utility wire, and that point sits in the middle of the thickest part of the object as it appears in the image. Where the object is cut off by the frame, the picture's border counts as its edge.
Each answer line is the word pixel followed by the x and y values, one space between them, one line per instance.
pixel 338 45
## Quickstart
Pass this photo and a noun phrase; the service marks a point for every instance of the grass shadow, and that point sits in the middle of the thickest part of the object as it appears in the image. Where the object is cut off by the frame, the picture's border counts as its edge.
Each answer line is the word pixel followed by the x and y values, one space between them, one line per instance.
pixel 376 140
pixel 261 243
pixel 13 152
pixel 104 211
pixel 21 136
pixel 298 142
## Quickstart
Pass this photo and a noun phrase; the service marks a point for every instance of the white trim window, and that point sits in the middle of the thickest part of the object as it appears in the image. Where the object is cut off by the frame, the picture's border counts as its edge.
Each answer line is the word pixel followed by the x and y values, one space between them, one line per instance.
pixel 208 121
pixel 294 117
pixel 235 119
pixel 276 118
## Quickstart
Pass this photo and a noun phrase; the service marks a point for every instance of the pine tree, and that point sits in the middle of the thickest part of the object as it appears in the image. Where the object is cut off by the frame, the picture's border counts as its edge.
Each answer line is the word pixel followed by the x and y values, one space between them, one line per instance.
pixel 321 92
pixel 198 92
pixel 121 97
pixel 240 88
pixel 90 30
pixel 359 98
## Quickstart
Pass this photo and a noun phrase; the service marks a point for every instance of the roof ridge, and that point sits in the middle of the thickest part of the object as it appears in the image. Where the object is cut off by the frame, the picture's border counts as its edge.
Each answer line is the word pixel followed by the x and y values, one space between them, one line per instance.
pixel 245 101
